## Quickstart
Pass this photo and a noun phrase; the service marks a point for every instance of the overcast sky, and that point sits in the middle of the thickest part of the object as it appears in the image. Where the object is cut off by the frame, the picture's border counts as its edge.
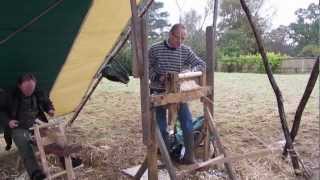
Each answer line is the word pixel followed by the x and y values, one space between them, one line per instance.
pixel 282 11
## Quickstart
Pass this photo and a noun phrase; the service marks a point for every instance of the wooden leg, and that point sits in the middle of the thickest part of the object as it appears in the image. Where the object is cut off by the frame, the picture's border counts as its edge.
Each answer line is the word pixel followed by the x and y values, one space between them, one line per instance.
pixel 69 168
pixel 42 153
pixel 165 155
pixel 214 131
pixel 206 139
pixel 152 151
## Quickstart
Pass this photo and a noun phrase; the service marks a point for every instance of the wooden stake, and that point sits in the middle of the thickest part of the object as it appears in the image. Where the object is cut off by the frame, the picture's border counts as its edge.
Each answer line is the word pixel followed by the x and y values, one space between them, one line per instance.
pixel 297 118
pixel 293 154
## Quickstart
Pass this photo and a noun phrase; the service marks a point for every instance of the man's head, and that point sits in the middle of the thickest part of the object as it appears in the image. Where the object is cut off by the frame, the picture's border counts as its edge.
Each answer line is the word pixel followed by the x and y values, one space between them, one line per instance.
pixel 27 84
pixel 177 35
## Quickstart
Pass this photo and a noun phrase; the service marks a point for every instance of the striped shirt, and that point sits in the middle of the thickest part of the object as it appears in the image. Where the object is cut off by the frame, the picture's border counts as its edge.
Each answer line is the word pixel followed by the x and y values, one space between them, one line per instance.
pixel 164 59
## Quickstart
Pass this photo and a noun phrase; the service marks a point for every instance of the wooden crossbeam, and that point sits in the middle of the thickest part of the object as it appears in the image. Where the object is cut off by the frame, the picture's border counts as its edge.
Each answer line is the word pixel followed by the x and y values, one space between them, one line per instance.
pixel 164 99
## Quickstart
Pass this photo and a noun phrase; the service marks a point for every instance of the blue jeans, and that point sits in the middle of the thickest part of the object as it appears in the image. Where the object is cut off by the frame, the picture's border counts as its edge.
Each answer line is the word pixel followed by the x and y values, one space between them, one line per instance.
pixel 184 116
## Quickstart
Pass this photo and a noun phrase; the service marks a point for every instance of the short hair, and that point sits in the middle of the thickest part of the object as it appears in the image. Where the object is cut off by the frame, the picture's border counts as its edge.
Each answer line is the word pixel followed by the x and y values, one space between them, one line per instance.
pixel 26 77
pixel 175 27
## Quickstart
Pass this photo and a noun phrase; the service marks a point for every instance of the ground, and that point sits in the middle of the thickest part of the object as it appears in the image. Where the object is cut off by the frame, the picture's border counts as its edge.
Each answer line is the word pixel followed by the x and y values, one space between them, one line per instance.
pixel 109 128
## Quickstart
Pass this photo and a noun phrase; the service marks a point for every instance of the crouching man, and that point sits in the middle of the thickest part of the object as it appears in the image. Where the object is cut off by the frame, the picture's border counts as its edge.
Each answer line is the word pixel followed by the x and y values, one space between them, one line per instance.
pixel 27 103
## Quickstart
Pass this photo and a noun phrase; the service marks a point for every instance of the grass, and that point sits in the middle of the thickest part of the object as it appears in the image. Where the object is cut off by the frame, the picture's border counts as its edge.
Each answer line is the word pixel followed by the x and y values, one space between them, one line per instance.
pixel 243 103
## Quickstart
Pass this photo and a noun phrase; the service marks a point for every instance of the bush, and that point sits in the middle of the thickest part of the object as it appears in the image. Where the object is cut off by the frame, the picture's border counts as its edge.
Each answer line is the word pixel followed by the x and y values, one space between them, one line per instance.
pixel 250 63
pixel 310 51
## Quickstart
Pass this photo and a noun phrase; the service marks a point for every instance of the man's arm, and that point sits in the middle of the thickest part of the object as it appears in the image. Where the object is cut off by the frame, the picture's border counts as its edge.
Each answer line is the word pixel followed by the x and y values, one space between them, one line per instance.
pixel 44 101
pixel 195 62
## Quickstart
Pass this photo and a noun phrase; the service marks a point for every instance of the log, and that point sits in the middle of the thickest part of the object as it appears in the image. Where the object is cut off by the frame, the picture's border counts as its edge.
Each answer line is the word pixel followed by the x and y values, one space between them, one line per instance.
pixel 189 74
pixel 284 124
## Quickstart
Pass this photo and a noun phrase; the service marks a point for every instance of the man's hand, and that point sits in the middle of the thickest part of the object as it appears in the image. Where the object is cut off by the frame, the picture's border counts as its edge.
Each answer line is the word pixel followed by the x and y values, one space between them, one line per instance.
pixel 162 78
pixel 51 113
pixel 13 124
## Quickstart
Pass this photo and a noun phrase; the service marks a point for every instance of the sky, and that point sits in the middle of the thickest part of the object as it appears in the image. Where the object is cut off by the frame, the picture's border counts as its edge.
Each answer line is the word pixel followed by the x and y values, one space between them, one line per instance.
pixel 281 11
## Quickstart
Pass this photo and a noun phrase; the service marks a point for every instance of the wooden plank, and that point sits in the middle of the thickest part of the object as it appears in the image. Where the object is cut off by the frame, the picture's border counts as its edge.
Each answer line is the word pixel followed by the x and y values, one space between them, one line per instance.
pixel 69 168
pixel 160 100
pixel 165 154
pixel 144 86
pixel 222 159
pixel 152 150
pixel 206 141
pixel 67 159
pixel 41 151
pixel 215 133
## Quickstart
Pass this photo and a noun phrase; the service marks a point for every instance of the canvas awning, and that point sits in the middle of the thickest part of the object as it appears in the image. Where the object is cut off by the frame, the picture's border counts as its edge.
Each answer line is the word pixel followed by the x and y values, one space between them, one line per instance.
pixel 64 48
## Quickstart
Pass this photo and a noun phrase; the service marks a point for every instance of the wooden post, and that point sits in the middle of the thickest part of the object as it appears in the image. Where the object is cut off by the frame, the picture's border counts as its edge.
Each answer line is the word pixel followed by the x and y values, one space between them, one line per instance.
pixel 137 63
pixel 209 82
pixel 152 150
pixel 165 154
pixel 214 25
pixel 214 132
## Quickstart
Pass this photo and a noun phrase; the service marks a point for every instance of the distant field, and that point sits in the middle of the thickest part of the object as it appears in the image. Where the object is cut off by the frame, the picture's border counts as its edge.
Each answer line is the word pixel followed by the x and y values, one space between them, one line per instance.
pixel 245 108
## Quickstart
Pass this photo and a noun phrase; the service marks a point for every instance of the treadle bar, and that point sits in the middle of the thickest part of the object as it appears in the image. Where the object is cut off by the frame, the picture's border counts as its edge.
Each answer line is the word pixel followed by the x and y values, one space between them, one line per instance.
pixel 170 98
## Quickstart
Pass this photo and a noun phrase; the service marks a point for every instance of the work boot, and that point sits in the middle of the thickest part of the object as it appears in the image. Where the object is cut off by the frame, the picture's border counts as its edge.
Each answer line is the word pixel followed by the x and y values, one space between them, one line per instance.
pixel 189 157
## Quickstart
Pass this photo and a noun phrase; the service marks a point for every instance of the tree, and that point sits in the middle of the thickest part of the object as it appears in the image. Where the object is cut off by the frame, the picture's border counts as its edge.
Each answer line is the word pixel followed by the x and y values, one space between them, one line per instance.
pixel 234 26
pixel 196 36
pixel 157 21
pixel 278 41
pixel 306 30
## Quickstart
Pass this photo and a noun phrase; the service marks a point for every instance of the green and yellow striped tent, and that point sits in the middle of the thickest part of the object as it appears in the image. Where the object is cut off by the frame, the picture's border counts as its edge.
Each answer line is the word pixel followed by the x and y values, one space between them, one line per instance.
pixel 64 44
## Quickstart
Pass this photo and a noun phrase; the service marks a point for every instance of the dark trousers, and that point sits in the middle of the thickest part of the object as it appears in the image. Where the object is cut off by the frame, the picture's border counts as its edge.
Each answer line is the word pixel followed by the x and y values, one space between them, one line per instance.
pixel 21 138
pixel 184 116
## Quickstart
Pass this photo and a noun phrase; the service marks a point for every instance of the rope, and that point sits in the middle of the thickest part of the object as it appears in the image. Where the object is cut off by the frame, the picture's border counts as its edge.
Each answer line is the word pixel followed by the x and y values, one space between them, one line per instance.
pixel 32 21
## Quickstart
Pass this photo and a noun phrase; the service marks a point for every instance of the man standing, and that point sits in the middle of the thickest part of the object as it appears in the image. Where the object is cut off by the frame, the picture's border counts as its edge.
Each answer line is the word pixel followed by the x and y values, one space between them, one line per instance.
pixel 171 56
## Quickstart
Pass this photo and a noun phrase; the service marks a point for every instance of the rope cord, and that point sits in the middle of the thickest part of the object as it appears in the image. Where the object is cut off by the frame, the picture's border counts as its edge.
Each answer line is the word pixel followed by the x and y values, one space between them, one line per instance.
pixel 32 21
